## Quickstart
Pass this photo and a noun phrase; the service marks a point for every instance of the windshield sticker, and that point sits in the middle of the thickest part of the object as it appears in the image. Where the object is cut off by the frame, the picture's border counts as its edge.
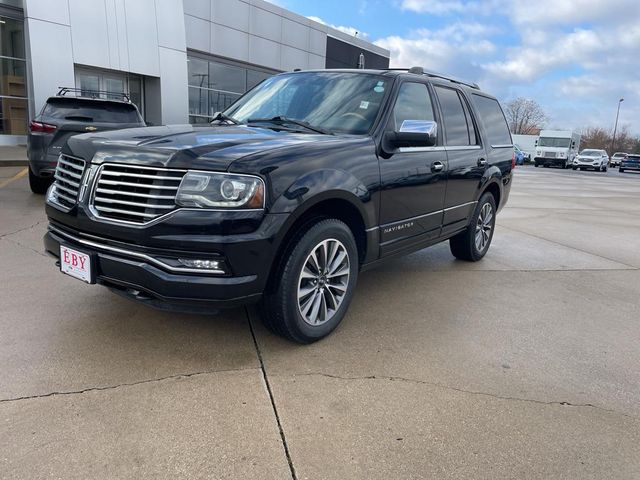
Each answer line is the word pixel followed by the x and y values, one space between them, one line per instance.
pixel 379 88
pixel 364 105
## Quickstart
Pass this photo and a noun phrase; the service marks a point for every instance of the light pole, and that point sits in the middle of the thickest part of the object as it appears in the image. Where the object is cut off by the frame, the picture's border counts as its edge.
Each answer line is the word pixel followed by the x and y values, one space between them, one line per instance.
pixel 615 128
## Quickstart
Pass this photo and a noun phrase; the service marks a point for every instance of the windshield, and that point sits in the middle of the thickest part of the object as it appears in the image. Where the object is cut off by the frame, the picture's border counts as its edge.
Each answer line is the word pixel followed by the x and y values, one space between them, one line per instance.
pixel 333 101
pixel 590 153
pixel 87 111
pixel 554 142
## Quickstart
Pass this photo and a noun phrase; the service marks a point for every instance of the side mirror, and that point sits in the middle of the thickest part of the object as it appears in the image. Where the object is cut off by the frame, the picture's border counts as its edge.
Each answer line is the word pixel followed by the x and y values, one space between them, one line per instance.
pixel 573 144
pixel 414 133
pixel 536 143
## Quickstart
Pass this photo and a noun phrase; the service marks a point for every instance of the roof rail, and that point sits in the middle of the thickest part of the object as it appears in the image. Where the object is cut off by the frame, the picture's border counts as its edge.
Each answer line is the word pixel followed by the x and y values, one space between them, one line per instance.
pixel 422 71
pixel 83 92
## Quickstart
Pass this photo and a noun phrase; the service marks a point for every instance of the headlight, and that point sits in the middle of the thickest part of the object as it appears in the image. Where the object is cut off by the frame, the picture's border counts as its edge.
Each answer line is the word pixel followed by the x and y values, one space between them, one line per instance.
pixel 220 190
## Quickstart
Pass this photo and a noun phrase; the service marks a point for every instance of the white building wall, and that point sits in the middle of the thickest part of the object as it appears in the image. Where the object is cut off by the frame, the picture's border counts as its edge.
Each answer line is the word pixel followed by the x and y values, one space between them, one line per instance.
pixel 145 37
pixel 256 31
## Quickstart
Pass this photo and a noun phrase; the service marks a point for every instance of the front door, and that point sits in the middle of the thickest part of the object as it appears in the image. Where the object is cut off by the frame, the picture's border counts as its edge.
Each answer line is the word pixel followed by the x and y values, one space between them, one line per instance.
pixel 413 178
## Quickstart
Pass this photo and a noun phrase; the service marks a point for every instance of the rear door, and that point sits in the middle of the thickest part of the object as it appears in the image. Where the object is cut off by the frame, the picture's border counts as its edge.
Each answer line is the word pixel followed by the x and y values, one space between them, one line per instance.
pixel 466 156
pixel 413 178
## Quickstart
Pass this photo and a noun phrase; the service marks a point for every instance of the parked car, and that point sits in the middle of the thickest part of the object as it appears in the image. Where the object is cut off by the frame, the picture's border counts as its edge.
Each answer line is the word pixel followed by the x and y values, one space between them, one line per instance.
pixel 630 162
pixel 70 112
pixel 598 160
pixel 304 181
pixel 521 156
pixel 617 158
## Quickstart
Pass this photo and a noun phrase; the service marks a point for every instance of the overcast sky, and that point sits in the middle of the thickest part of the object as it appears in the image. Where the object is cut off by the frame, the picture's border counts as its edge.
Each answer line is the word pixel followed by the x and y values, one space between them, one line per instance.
pixel 577 58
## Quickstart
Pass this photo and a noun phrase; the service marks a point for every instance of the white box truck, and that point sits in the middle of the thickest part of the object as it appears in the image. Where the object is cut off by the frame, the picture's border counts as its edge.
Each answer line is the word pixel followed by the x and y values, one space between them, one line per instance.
pixel 556 148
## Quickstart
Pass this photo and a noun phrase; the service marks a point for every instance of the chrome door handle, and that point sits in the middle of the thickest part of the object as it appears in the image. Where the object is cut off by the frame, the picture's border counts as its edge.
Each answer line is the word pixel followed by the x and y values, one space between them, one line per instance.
pixel 482 162
pixel 437 167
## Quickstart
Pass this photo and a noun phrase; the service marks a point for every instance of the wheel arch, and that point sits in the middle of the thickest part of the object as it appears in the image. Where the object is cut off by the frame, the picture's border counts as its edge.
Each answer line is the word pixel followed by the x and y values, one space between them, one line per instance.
pixel 341 205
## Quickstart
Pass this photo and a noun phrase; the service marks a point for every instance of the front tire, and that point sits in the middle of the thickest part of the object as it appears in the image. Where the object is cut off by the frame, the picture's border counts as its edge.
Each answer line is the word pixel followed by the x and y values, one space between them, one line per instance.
pixel 621 170
pixel 315 283
pixel 473 243
pixel 37 184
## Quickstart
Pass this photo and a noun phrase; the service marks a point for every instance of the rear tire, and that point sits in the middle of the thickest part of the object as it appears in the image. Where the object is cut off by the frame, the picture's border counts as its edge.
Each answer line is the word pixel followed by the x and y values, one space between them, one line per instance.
pixel 574 168
pixel 307 303
pixel 37 184
pixel 473 243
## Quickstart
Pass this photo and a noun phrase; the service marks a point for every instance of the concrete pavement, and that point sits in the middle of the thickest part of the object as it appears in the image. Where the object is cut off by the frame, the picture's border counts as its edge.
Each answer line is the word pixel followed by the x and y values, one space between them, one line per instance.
pixel 524 365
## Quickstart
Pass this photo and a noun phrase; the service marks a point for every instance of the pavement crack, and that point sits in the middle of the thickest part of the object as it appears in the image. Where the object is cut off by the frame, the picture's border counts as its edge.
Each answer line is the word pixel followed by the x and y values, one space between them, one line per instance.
pixel 468 392
pixel 271 397
pixel 120 385
pixel 18 244
pixel 23 229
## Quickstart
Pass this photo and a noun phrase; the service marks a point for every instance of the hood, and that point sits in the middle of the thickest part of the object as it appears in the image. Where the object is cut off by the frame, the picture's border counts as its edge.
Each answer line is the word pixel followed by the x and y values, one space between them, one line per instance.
pixel 186 146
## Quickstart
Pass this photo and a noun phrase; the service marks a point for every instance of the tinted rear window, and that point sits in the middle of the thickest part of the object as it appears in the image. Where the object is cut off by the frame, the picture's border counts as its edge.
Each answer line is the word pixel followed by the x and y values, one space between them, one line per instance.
pixel 493 119
pixel 85 111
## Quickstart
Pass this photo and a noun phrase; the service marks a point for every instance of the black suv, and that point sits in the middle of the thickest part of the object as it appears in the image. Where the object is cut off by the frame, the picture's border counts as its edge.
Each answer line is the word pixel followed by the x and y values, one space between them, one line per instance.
pixel 71 112
pixel 305 180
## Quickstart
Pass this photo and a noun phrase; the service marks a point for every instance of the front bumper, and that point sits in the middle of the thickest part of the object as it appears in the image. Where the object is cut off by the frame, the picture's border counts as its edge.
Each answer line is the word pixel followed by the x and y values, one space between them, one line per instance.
pixel 579 164
pixel 143 274
pixel 552 162
pixel 630 166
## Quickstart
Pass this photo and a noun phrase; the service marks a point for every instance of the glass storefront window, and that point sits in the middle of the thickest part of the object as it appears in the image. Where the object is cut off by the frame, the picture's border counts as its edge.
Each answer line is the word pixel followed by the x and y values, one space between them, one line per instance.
pixel 219 101
pixel 11 38
pixel 12 75
pixel 89 84
pixel 227 78
pixel 14 106
pixel 115 85
pixel 12 3
pixel 198 72
pixel 13 116
pixel 214 86
pixel 198 101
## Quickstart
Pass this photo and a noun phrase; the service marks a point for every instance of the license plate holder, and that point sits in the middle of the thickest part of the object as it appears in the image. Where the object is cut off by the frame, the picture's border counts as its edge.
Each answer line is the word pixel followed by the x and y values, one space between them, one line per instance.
pixel 77 264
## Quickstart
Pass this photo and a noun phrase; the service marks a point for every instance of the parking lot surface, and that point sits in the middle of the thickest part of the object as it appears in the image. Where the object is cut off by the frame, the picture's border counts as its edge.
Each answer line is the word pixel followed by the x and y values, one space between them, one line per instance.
pixel 524 365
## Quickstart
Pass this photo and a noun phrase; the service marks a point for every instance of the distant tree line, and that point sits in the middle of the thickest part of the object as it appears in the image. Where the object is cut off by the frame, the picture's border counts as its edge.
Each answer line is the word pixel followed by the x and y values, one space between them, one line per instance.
pixel 601 138
pixel 526 117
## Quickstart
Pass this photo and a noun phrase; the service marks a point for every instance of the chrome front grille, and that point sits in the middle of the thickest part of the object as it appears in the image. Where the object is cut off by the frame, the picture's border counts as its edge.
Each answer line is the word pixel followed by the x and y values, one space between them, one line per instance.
pixel 135 194
pixel 549 154
pixel 68 178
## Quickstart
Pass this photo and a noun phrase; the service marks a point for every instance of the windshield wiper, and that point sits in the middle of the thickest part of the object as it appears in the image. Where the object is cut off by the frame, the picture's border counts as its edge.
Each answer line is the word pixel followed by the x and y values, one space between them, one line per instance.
pixel 280 120
pixel 221 117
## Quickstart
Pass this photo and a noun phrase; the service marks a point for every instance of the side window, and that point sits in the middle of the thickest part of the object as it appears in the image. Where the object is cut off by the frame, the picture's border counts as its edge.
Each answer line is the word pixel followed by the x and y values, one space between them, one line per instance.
pixel 454 118
pixel 473 136
pixel 413 103
pixel 493 119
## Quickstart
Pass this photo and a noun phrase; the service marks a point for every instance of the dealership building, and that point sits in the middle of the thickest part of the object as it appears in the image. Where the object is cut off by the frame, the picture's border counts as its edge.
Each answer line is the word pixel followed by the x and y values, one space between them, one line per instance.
pixel 179 60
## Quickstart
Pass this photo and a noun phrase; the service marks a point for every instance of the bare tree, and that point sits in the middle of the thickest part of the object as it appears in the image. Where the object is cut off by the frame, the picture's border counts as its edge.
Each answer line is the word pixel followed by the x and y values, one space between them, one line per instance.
pixel 525 116
pixel 595 137
pixel 602 139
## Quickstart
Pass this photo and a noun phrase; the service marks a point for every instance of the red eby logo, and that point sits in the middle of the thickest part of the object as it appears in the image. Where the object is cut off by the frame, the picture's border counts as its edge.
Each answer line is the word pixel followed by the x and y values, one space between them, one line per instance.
pixel 73 259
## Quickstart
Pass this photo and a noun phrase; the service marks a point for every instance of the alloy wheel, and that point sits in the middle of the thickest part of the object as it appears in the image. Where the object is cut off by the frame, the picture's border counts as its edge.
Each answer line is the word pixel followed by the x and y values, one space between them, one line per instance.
pixel 484 227
pixel 323 282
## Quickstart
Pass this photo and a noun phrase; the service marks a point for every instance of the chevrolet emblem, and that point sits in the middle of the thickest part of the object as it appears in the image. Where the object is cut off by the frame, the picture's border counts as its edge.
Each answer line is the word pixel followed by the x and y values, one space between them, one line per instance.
pixel 90 129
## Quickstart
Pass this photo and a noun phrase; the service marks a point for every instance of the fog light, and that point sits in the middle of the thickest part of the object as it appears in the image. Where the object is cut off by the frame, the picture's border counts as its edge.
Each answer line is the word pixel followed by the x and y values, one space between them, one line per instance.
pixel 201 264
